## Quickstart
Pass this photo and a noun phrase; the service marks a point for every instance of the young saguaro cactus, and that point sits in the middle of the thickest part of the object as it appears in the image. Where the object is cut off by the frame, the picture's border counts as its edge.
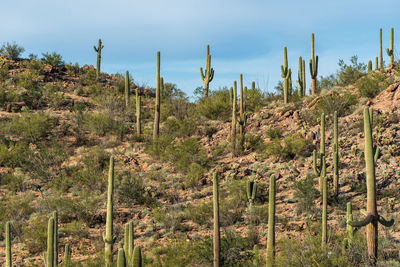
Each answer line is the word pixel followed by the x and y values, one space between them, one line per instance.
pixel 376 63
pixel 216 236
pixel 335 155
pixel 126 88
pixel 49 255
pixel 108 237
pixel 98 50
pixel 286 73
pixel 208 74
pixel 380 50
pixel 121 261
pixel 233 127
pixel 156 127
pixel 271 223
pixel 55 239
pixel 138 112
pixel 372 217
pixel 301 77
pixel 324 212
pixel 128 241
pixel 390 52
pixel 137 257
pixel 67 256
pixel 313 67
pixel 251 191
pixel 8 245
pixel 349 228
pixel 369 65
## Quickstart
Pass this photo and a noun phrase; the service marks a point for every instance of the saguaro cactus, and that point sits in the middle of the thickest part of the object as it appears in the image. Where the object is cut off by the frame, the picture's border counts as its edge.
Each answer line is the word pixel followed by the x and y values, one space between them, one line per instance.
pixel 67 256
pixel 335 155
pixel 55 239
pixel 313 67
pixel 156 127
pixel 324 212
pixel 251 190
pixel 162 87
pixel 216 237
pixel 318 170
pixel 349 228
pixel 271 223
pixel 233 133
pixel 128 241
pixel 301 77
pixel 49 255
pixel 137 257
pixel 390 52
pixel 369 65
pixel 286 73
pixel 121 261
pixel 108 235
pixel 126 88
pixel 208 74
pixel 98 50
pixel 8 246
pixel 138 112
pixel 243 117
pixel 372 218
pixel 376 63
pixel 380 50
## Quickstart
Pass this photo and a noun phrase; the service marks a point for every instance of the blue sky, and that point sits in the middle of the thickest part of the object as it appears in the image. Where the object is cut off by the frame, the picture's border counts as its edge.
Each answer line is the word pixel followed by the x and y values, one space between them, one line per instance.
pixel 245 36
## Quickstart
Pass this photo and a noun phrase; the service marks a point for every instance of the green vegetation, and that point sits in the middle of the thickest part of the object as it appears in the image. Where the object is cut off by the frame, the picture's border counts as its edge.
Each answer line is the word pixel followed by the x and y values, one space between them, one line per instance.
pixel 11 50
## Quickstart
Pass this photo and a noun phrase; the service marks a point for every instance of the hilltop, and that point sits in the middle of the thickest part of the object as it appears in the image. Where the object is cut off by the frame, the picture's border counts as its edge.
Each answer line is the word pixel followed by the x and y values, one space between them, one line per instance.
pixel 60 125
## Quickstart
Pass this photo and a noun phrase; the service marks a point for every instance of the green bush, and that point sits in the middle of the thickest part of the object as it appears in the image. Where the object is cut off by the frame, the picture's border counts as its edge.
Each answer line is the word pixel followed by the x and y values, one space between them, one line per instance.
pixel 11 50
pixel 305 194
pixel 179 128
pixel 102 124
pixel 35 234
pixel 255 100
pixel 133 190
pixel 348 74
pixel 372 84
pixel 53 59
pixel 217 106
pixel 14 155
pixel 29 127
pixel 288 148
pixel 342 103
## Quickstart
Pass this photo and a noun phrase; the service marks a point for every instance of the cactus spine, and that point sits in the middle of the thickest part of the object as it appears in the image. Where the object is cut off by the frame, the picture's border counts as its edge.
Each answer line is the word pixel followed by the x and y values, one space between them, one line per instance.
pixel 126 88
pixel 286 75
pixel 369 65
pixel 156 127
pixel 313 67
pixel 121 262
pixel 137 257
pixel 242 119
pixel 301 78
pixel 8 245
pixel 49 255
pixel 108 235
pixel 324 212
pixel 372 218
pixel 271 223
pixel 380 50
pixel 390 52
pixel 335 155
pixel 67 256
pixel 138 112
pixel 98 50
pixel 216 237
pixel 208 74
pixel 233 134
pixel 376 63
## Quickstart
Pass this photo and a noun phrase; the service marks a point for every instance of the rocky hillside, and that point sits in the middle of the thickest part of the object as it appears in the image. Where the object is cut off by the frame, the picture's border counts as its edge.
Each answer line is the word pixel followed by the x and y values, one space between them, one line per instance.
pixel 60 125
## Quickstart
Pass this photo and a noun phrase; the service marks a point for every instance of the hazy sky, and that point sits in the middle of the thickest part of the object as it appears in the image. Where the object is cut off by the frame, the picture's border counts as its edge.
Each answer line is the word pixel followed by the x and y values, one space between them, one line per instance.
pixel 245 36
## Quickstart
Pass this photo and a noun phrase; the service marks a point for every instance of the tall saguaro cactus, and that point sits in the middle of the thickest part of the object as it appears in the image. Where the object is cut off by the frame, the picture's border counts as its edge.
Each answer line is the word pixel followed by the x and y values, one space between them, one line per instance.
pixel 98 51
pixel 390 52
pixel 335 155
pixel 369 65
pixel 156 127
pixel 318 171
pixel 271 223
pixel 313 67
pixel 138 112
pixel 55 239
pixel 8 245
pixel 233 130
pixel 49 255
pixel 349 228
pixel 128 241
pixel 216 237
pixel 242 115
pixel 324 212
pixel 372 218
pixel 301 77
pixel 380 50
pixel 208 74
pixel 108 237
pixel 376 63
pixel 126 88
pixel 286 75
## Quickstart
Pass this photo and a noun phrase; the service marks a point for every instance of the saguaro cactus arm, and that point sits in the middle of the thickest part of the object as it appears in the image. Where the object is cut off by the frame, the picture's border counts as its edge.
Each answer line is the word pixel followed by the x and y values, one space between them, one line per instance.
pixel 384 222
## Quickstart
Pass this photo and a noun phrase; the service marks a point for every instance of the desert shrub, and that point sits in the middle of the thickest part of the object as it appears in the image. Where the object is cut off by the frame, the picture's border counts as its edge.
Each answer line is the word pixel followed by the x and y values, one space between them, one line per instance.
pixel 29 127
pixel 305 194
pixel 102 124
pixel 255 100
pixel 171 218
pixel 53 59
pixel 348 74
pixel 88 77
pixel 326 82
pixel 11 50
pixel 288 148
pixel 217 106
pixel 3 72
pixel 273 133
pixel 72 69
pixel 132 190
pixel 342 103
pixel 201 213
pixel 371 85
pixel 14 155
pixel 76 229
pixel 179 128
pixel 254 142
pixel 178 107
pixel 35 234
pixel 13 183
